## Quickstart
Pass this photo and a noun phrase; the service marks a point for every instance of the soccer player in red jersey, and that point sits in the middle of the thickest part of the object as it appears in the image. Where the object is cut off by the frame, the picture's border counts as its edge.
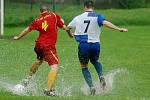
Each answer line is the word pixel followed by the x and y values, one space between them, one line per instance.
pixel 45 49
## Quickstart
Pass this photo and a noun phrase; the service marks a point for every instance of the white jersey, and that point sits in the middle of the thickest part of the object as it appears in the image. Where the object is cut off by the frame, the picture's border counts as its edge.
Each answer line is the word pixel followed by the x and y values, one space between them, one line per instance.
pixel 87 27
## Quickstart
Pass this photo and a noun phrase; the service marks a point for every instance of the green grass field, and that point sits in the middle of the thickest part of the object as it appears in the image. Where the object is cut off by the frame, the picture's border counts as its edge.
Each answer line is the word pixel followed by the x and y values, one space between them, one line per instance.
pixel 126 51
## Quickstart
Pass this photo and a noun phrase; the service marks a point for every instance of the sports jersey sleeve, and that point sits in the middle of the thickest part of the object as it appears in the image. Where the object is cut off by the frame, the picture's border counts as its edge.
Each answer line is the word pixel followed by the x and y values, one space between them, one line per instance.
pixel 33 25
pixel 60 23
pixel 72 24
pixel 100 20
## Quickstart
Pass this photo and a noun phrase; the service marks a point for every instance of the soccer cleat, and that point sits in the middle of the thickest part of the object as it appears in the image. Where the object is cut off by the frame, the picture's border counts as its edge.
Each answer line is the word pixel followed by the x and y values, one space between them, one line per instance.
pixel 103 82
pixel 50 93
pixel 92 90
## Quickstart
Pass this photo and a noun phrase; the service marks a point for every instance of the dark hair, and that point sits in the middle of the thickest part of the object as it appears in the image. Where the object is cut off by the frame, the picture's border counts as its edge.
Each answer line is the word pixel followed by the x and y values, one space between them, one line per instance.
pixel 43 8
pixel 89 4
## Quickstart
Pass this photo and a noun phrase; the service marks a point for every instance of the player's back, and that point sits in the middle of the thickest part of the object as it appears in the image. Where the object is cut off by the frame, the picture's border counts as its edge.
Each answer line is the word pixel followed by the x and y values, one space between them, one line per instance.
pixel 88 27
pixel 47 27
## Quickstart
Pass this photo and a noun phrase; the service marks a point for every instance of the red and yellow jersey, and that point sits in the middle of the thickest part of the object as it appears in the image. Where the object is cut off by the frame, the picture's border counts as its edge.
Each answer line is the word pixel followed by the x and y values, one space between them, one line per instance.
pixel 47 26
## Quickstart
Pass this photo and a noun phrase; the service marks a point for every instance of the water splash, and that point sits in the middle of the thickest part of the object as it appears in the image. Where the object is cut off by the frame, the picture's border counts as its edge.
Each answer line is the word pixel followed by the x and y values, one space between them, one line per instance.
pixel 35 88
pixel 7 86
pixel 109 77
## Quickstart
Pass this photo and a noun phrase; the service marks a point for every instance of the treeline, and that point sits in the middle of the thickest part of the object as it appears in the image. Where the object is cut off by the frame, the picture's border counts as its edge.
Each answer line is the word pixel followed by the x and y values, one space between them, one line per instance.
pixel 21 13
pixel 123 4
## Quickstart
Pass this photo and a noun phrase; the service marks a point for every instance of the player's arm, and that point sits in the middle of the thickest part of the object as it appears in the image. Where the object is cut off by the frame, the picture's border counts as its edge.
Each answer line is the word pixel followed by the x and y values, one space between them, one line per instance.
pixel 112 26
pixel 60 24
pixel 68 30
pixel 23 33
pixel 64 27
pixel 71 25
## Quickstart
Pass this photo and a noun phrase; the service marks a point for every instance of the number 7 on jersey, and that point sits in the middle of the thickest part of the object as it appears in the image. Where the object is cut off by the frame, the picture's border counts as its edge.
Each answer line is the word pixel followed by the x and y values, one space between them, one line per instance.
pixel 88 23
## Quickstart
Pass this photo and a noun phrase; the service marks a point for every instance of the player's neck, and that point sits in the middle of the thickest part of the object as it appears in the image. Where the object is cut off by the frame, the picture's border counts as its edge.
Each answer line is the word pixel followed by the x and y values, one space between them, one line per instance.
pixel 44 12
pixel 88 10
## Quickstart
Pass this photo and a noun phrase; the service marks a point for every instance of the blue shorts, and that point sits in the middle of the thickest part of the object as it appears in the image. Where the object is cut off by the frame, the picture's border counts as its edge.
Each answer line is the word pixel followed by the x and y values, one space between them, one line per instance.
pixel 88 51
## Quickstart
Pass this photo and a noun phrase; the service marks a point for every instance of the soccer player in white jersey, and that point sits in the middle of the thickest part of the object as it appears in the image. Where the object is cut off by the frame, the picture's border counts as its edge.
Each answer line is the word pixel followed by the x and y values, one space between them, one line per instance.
pixel 87 32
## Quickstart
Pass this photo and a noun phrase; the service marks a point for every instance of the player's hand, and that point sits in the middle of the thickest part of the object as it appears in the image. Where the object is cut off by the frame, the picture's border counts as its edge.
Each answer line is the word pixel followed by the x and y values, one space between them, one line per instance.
pixel 123 30
pixel 16 38
pixel 71 35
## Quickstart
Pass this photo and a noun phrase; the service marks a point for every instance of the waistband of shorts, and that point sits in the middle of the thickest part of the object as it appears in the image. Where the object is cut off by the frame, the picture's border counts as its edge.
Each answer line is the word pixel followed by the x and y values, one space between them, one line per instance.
pixel 90 42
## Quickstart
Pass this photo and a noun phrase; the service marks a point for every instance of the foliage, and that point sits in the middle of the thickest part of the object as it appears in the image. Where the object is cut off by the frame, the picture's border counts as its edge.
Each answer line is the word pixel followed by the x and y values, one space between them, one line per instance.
pixel 132 3
pixel 23 16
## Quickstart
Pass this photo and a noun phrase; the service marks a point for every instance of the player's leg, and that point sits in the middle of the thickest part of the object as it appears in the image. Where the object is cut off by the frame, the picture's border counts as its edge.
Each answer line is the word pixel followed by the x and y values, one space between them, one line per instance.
pixel 84 59
pixel 40 55
pixel 94 56
pixel 52 76
pixel 98 68
pixel 51 79
pixel 87 76
pixel 32 71
pixel 52 59
pixel 35 67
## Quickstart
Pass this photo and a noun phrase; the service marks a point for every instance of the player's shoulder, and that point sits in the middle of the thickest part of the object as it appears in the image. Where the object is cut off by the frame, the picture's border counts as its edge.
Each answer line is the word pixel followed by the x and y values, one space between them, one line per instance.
pixel 75 18
pixel 79 16
pixel 54 14
pixel 36 19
